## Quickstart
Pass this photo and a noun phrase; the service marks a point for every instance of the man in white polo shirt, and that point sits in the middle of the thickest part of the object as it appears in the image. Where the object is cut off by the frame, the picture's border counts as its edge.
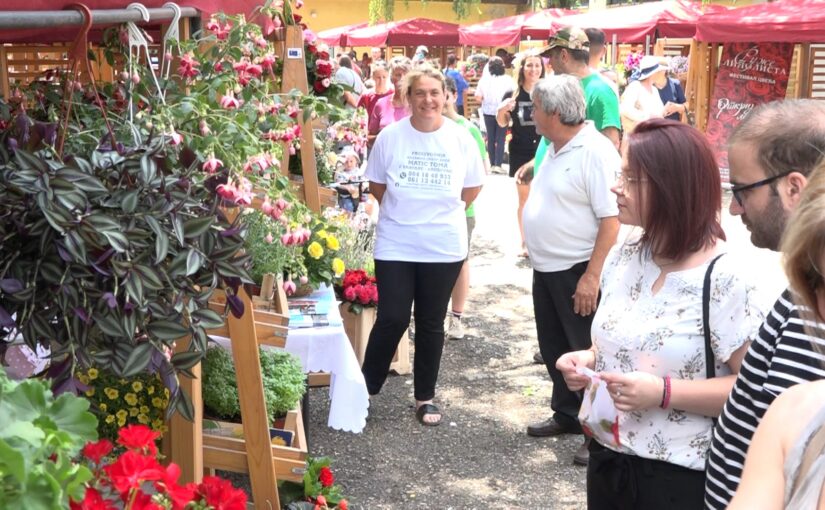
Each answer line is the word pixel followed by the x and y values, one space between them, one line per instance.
pixel 570 224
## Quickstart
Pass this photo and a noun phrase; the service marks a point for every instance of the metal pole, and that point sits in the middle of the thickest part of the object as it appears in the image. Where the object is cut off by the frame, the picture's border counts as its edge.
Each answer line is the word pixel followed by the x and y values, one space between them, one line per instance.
pixel 49 19
pixel 647 44
pixel 614 51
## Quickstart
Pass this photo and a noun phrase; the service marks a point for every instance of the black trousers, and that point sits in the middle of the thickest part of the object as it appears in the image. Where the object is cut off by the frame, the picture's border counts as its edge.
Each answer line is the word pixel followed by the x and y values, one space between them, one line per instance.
pixel 560 331
pixel 400 284
pixel 495 139
pixel 616 481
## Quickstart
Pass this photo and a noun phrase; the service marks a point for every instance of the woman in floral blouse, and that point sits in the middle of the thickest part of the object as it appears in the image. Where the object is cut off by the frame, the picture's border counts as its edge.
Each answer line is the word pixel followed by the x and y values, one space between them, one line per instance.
pixel 648 342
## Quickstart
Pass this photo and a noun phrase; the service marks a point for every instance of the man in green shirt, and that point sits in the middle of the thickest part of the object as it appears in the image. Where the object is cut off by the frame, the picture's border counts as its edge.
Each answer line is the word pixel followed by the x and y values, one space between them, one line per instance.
pixel 568 51
pixel 462 285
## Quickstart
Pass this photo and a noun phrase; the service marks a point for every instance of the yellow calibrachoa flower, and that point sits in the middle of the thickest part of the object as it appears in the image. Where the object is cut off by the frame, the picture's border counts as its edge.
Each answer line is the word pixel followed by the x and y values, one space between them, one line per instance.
pixel 332 243
pixel 83 378
pixel 131 399
pixel 90 392
pixel 166 392
pixel 110 418
pixel 121 422
pixel 142 418
pixel 111 393
pixel 103 407
pixel 157 402
pixel 137 386
pixel 322 234
pixel 338 266
pixel 93 373
pixel 150 390
pixel 315 250
pixel 144 409
pixel 134 411
pixel 122 414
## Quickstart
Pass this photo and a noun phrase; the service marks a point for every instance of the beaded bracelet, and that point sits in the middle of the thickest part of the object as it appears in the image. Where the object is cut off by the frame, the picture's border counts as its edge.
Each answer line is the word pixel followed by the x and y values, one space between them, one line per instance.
pixel 665 392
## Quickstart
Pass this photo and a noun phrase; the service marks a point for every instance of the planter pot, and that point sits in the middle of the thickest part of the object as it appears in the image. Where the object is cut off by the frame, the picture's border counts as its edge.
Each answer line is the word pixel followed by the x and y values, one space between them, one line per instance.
pixel 358 328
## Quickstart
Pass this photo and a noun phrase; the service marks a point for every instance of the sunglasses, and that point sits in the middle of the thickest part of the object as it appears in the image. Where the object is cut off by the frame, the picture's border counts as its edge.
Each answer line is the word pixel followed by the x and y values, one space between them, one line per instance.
pixel 738 191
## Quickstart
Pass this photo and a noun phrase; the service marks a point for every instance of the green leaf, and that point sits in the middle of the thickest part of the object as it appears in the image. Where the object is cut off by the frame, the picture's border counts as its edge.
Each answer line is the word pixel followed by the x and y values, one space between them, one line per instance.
pixel 183 405
pixel 154 225
pixel 161 247
pixel 70 414
pixel 102 222
pixel 184 360
pixel 197 226
pixel 134 287
pixel 117 241
pixel 28 160
pixel 12 461
pixel 148 168
pixel 194 261
pixel 177 228
pixel 167 330
pixel 138 359
pixel 129 202
pixel 207 318
pixel 149 276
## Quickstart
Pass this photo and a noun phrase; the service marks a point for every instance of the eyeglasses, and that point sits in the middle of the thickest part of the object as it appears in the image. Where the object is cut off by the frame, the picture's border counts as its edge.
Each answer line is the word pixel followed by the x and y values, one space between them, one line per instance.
pixel 739 190
pixel 625 180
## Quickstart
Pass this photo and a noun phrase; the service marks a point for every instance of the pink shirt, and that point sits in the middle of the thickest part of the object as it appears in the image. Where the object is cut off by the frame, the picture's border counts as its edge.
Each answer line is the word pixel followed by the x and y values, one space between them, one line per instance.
pixel 384 114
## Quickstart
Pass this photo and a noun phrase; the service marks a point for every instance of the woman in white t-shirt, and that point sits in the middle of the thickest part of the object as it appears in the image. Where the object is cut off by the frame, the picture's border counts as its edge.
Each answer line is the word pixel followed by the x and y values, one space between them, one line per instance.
pixel 491 89
pixel 640 100
pixel 424 170
pixel 648 336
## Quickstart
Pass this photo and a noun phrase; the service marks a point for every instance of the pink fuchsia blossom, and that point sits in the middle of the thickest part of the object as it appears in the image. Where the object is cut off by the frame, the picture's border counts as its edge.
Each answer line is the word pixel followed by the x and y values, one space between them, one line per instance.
pixel 240 194
pixel 219 67
pixel 212 164
pixel 281 204
pixel 220 30
pixel 261 42
pixel 286 239
pixel 188 67
pixel 276 22
pixel 175 138
pixel 269 238
pixel 303 279
pixel 292 150
pixel 290 287
pixel 268 61
pixel 229 102
pixel 203 126
pixel 299 4
pixel 267 207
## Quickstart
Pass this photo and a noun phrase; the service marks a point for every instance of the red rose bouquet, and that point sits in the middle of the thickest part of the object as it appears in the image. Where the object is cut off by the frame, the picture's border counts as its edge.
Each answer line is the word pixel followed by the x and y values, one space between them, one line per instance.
pixel 135 480
pixel 359 290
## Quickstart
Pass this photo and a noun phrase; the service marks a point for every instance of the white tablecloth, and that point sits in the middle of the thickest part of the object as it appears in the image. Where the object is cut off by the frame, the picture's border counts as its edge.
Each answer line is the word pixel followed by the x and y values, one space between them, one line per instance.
pixel 327 349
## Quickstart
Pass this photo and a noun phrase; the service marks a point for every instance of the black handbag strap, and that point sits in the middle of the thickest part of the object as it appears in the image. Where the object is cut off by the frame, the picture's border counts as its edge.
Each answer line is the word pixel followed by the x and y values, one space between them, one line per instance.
pixel 710 363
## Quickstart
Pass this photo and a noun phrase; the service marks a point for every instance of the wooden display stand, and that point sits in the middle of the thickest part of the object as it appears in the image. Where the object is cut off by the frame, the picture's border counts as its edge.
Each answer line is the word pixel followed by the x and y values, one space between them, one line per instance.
pixel 358 327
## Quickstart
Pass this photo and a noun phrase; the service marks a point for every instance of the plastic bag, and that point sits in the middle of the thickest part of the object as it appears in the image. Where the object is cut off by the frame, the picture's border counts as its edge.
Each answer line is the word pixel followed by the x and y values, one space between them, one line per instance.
pixel 598 416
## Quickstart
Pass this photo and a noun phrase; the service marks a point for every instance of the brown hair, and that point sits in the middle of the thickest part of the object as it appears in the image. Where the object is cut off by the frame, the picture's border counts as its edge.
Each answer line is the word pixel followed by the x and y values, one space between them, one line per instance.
pixel 684 198
pixel 423 71
pixel 803 246
pixel 524 63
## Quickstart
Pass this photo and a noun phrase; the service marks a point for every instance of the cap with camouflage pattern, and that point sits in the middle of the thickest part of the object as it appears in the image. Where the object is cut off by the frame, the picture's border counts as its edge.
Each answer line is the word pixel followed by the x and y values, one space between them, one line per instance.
pixel 571 38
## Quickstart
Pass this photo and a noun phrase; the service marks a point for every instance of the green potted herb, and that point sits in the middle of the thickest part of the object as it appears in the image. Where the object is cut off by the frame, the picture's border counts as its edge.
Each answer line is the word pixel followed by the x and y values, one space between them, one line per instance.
pixel 283 379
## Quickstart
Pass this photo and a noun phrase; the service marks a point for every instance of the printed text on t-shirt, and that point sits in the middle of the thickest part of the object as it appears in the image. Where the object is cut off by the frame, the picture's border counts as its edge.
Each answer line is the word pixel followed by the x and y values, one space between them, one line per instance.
pixel 425 170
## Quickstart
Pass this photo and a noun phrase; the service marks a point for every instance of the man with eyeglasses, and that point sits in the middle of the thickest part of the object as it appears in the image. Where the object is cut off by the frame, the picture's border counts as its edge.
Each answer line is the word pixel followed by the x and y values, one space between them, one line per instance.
pixel 771 156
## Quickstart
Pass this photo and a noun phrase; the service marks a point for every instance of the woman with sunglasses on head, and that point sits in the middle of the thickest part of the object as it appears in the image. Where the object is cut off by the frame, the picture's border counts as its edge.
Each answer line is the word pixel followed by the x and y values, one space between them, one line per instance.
pixel 650 346
pixel 516 110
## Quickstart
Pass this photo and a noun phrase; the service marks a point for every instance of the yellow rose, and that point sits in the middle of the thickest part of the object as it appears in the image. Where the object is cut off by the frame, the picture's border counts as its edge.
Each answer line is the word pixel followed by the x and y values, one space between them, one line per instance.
pixel 322 234
pixel 142 418
pixel 338 266
pixel 332 243
pixel 134 411
pixel 93 373
pixel 103 407
pixel 111 393
pixel 137 386
pixel 110 418
pixel 315 250
pixel 131 399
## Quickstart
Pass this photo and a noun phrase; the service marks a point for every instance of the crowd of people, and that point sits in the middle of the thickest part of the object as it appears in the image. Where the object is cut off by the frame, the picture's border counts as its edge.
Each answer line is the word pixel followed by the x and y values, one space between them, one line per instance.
pixel 662 352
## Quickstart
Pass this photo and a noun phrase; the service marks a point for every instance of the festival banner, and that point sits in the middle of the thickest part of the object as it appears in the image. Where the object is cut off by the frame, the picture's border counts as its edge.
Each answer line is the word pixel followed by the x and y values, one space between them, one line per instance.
pixel 749 74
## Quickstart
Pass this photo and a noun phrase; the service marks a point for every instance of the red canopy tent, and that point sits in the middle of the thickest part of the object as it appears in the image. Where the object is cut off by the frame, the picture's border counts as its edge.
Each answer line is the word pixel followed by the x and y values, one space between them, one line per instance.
pixel 338 36
pixel 510 30
pixel 796 21
pixel 408 32
pixel 634 23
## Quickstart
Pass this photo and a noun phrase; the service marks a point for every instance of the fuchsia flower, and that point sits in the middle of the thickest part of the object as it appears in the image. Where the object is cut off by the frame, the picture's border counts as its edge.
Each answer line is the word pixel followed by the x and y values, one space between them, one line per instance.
pixel 240 194
pixel 221 31
pixel 212 164
pixel 188 67
pixel 299 4
pixel 290 287
pixel 269 238
pixel 268 61
pixel 276 22
pixel 229 102
pixel 175 138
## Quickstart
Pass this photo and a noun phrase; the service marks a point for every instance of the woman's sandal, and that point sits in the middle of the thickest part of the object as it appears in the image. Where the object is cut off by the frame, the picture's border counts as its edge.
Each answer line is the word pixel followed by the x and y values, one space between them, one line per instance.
pixel 426 409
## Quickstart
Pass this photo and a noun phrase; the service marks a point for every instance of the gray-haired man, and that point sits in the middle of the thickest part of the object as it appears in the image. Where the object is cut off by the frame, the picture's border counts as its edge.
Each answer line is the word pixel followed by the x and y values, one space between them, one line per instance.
pixel 572 186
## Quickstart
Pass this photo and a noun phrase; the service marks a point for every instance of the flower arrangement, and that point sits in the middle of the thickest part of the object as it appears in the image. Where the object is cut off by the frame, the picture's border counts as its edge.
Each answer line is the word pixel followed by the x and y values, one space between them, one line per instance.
pixel 262 244
pixel 283 380
pixel 318 262
pixel 359 290
pixel 632 61
pixel 118 402
pixel 135 480
pixel 319 491
pixel 356 233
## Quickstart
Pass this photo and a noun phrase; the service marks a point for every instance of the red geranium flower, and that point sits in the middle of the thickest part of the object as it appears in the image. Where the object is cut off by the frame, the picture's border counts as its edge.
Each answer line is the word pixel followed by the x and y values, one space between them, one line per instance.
pixel 220 494
pixel 132 469
pixel 325 477
pixel 92 500
pixel 96 451
pixel 138 437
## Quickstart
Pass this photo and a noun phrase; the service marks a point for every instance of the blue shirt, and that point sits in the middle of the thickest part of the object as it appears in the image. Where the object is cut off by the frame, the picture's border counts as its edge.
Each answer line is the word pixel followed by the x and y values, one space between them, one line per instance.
pixel 460 85
pixel 672 92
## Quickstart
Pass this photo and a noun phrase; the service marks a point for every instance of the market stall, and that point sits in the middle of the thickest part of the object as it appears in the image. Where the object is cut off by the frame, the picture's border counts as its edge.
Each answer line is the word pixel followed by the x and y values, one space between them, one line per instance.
pixel 338 36
pixel 402 37
pixel 511 30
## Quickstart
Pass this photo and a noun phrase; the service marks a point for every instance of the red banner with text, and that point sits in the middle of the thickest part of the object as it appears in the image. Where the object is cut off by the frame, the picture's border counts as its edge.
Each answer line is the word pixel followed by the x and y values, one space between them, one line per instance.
pixel 749 74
